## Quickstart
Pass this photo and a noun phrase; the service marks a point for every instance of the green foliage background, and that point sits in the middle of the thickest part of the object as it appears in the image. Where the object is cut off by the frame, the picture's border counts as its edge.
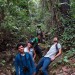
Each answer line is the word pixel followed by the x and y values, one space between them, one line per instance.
pixel 19 19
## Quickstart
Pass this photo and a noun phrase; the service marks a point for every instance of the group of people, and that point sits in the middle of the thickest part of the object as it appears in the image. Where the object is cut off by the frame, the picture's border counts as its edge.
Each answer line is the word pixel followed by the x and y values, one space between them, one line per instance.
pixel 25 59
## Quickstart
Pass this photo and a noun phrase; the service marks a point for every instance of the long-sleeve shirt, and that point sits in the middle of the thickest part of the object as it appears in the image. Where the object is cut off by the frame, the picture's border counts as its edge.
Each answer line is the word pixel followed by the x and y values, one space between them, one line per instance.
pixel 22 61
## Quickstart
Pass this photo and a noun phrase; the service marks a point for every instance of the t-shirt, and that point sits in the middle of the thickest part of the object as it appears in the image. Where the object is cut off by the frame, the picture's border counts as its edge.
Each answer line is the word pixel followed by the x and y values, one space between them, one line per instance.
pixel 35 41
pixel 52 51
pixel 31 52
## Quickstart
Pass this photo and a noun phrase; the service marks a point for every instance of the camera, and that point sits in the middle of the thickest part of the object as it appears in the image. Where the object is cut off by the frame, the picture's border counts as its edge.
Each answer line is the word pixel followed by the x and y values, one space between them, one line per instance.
pixel 25 69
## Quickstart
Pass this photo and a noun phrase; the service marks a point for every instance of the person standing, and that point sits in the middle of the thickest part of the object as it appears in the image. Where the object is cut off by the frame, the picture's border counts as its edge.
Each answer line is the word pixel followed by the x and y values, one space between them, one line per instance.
pixel 51 55
pixel 24 65
pixel 29 48
pixel 39 31
pixel 36 42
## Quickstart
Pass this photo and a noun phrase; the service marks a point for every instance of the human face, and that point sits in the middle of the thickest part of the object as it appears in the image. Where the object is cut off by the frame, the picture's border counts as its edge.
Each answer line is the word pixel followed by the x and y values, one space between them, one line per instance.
pixel 21 49
pixel 29 45
pixel 39 36
pixel 55 40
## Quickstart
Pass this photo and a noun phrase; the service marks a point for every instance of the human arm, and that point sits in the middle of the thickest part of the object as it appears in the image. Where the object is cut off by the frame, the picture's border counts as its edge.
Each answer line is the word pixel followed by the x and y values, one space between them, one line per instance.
pixel 58 54
pixel 32 65
pixel 34 55
pixel 16 64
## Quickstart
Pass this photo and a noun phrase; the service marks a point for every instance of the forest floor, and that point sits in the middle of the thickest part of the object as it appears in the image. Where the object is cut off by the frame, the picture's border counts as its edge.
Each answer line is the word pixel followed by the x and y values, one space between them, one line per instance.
pixel 7 68
pixel 66 69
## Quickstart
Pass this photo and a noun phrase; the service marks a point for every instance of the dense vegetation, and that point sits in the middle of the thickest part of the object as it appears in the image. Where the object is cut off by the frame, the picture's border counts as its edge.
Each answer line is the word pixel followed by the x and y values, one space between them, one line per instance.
pixel 19 19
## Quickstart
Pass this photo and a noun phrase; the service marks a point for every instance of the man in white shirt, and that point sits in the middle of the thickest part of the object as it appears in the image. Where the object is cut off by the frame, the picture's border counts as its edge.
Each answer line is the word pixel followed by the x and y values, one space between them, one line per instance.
pixel 53 52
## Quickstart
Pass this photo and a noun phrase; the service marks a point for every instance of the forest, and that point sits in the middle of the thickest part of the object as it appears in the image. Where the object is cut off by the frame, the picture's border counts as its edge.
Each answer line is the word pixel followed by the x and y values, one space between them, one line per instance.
pixel 19 20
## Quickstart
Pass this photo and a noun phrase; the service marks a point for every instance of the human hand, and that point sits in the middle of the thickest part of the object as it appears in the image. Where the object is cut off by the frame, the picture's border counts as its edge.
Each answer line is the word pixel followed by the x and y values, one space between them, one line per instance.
pixel 38 43
pixel 52 58
pixel 34 73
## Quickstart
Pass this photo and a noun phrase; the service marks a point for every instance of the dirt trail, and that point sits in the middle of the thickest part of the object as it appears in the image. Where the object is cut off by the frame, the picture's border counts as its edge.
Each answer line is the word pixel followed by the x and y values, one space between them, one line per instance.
pixel 6 65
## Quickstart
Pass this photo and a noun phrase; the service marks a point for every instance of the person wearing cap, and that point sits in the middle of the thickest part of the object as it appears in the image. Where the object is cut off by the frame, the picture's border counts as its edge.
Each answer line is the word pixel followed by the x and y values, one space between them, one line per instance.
pixel 38 30
pixel 52 54
pixel 36 45
pixel 29 48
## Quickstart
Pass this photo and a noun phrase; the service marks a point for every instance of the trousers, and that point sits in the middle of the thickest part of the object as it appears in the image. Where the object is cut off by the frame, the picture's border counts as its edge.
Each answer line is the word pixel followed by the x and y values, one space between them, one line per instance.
pixel 43 64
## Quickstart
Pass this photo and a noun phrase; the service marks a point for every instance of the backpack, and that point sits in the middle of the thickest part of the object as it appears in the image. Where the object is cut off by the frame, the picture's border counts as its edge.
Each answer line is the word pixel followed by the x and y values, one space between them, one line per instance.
pixel 34 41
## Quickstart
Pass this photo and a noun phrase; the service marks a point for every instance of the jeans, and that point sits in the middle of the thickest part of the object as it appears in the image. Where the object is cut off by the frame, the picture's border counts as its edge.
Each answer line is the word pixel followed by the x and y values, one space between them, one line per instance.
pixel 43 64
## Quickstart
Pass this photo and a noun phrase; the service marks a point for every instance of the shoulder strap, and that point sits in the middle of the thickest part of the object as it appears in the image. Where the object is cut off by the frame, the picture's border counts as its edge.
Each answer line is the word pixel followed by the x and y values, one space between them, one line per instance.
pixel 57 47
pixel 21 60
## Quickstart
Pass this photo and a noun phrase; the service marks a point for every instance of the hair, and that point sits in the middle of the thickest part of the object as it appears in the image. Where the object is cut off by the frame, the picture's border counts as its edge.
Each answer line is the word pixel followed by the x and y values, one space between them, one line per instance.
pixel 56 37
pixel 39 35
pixel 32 43
pixel 55 40
pixel 19 44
